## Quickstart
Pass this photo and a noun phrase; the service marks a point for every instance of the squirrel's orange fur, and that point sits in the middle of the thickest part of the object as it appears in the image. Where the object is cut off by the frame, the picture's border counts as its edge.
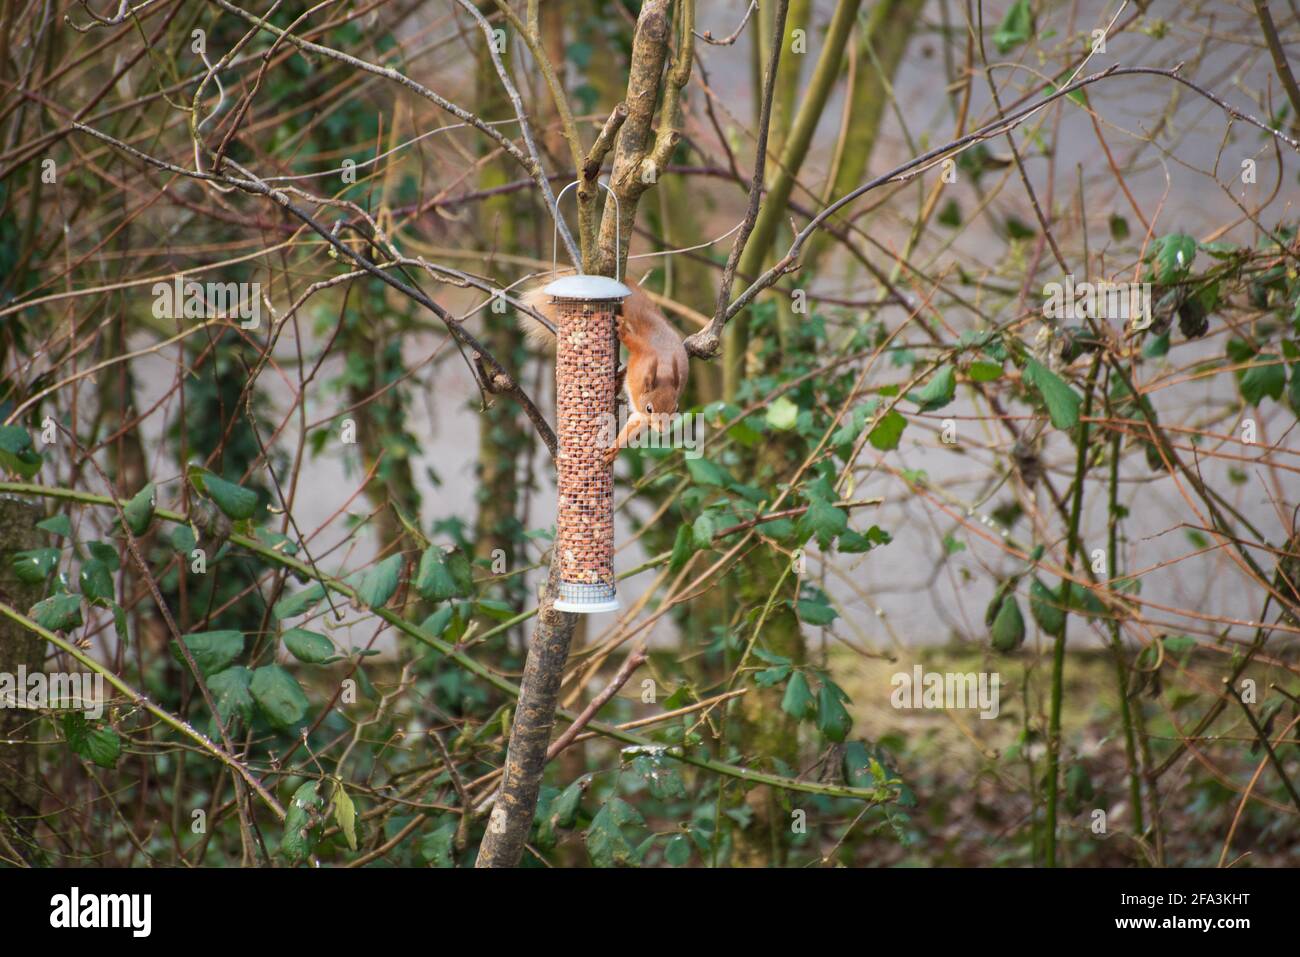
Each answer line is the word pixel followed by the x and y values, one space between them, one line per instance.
pixel 656 359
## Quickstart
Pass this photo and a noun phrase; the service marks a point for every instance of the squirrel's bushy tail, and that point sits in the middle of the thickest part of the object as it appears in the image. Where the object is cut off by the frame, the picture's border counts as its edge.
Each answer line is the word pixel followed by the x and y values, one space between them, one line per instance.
pixel 534 331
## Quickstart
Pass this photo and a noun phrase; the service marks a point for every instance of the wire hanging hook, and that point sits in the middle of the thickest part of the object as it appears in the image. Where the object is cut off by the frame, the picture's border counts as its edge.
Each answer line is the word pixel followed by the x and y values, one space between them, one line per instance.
pixel 618 223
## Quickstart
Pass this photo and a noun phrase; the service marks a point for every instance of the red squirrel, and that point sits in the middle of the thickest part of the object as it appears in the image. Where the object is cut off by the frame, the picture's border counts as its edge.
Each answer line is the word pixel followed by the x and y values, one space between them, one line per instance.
pixel 656 359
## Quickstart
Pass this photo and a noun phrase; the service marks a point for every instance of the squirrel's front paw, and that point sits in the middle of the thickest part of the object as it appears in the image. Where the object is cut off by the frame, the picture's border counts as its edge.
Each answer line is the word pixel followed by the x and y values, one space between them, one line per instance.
pixel 610 454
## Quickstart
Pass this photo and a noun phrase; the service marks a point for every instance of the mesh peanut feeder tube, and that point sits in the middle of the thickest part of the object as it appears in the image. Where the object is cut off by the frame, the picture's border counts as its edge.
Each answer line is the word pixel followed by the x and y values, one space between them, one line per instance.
pixel 586 370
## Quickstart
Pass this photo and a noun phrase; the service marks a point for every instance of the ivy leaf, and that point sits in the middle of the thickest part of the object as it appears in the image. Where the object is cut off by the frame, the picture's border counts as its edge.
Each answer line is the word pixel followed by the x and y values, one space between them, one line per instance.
pixel 1266 377
pixel 939 391
pixel 279 696
pixel 60 612
pixel 1062 401
pixel 212 650
pixel 438 847
pixel 798 701
pixel 16 451
pixel 345 814
pixel 379 583
pixel 99 745
pixel 96 581
pixel 607 842
pixel 291 606
pixel 1173 254
pixel 683 549
pixel 833 720
pixel 825 521
pixel 1008 631
pixel 106 553
pixel 772 676
pixel 34 566
pixel 302 824
pixel 702 530
pixel 230 693
pixel 1016 27
pixel 308 646
pixel 443 575
pixel 677 852
pixel 139 511
pixel 815 612
pixel 661 777
pixel 782 414
pixel 980 371
pixel 704 472
pixel 437 622
pixel 1046 608
pixel 563 811
pixel 888 431
pixel 234 500
pixel 56 525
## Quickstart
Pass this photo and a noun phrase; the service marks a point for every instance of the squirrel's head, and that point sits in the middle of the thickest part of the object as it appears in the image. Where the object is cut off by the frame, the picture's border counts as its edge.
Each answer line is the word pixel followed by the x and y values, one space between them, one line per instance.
pixel 660 391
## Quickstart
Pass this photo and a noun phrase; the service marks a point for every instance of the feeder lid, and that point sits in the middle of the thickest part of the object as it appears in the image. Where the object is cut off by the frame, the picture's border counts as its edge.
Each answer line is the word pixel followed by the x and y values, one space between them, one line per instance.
pixel 590 288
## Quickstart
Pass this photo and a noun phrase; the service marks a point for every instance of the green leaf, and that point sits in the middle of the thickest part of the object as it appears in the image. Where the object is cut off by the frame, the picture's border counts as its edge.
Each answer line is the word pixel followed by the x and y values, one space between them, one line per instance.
pixel 1118 227
pixel 833 719
pixel 825 521
pixel 279 696
pixel 563 811
pixel 58 612
pixel 704 472
pixel 798 701
pixel 345 814
pixel 16 451
pixel 1172 254
pixel 302 824
pixel 1266 377
pixel 683 549
pixel 1017 27
pixel 291 606
pixel 1046 608
pixel 230 693
pixel 212 650
pixel 677 852
pixel 437 622
pixel 99 745
pixel 56 525
pixel 438 848
pixel 234 500
pixel 939 391
pixel 308 646
pixel 702 530
pixel 1008 631
pixel 139 511
pixel 888 431
pixel 852 542
pixel 772 676
pixel 980 371
pixel 815 612
pixel 443 575
pixel 379 583
pixel 1062 401
pixel 183 539
pixel 96 581
pixel 34 566
pixel 782 414
pixel 607 841
pixel 659 775
pixel 495 608
pixel 106 553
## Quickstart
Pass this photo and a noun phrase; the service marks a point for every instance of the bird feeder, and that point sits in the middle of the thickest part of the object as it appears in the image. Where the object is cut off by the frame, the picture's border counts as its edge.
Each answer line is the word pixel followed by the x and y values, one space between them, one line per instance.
pixel 586 371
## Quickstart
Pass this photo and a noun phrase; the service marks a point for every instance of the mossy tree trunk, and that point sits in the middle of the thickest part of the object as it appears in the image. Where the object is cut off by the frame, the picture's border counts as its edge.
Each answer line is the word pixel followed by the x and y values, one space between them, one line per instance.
pixel 19 649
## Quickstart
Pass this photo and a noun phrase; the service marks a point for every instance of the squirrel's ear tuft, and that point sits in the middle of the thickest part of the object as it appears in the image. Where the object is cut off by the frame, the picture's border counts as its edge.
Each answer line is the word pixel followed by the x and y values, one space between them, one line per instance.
pixel 651 378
